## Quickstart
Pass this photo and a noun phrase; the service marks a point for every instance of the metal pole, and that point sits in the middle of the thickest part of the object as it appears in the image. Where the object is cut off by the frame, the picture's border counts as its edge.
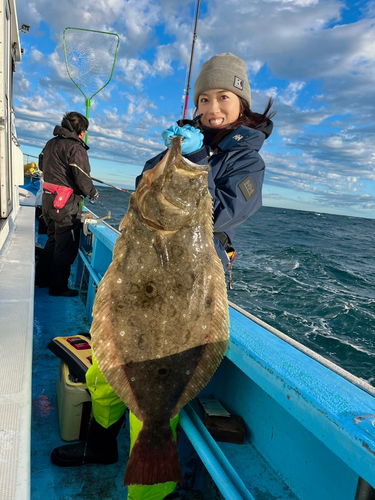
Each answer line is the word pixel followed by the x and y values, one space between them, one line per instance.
pixel 219 474
pixel 191 59
pixel 364 491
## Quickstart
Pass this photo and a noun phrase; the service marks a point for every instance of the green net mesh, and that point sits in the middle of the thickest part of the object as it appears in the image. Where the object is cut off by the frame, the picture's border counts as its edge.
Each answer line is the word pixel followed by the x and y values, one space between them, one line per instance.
pixel 89 57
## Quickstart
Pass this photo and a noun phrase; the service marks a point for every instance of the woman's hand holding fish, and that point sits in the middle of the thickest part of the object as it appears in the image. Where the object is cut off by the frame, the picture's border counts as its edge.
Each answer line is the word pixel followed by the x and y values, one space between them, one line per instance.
pixel 193 139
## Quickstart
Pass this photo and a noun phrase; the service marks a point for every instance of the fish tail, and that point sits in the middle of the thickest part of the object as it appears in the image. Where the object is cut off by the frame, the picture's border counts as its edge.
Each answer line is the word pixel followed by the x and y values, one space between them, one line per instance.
pixel 153 462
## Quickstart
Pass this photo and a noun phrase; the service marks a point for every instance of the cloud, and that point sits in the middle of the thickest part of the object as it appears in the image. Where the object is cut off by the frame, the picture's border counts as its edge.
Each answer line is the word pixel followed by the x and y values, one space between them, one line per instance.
pixel 21 83
pixel 290 94
pixel 336 200
pixel 325 179
pixel 137 18
pixel 298 41
pixel 350 151
pixel 135 70
pixel 163 60
pixel 36 55
pixel 319 69
pixel 291 121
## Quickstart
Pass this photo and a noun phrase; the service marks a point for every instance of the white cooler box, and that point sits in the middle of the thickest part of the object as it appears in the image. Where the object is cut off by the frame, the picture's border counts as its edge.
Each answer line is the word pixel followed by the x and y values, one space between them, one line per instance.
pixel 74 405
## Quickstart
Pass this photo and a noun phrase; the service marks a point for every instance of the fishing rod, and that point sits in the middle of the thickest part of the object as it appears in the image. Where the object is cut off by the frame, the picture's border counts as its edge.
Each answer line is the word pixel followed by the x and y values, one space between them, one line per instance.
pixel 108 216
pixel 96 180
pixel 110 185
pixel 191 59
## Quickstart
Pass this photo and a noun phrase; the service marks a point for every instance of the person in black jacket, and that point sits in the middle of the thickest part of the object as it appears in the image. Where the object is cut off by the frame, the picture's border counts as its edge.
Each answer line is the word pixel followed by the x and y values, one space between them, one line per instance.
pixel 66 172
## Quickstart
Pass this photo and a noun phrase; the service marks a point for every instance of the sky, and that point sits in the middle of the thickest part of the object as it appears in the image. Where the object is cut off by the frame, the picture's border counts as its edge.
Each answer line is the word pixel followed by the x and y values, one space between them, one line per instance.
pixel 316 59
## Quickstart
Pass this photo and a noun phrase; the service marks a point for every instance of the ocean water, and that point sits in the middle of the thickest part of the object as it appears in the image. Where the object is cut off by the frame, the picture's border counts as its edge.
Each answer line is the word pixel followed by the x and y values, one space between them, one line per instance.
pixel 310 275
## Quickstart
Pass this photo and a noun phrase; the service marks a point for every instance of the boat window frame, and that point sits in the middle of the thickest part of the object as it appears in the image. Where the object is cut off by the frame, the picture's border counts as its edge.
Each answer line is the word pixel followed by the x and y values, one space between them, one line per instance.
pixel 6 171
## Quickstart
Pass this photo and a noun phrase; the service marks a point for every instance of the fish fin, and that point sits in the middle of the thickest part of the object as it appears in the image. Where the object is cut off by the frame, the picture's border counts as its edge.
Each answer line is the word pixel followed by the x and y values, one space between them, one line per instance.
pixel 161 249
pixel 123 222
pixel 149 464
pixel 210 361
pixel 129 213
pixel 216 347
pixel 105 348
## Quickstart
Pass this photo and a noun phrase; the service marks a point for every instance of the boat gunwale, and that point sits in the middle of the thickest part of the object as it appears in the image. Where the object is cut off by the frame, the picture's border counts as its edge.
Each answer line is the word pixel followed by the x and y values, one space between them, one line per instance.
pixel 358 382
pixel 331 365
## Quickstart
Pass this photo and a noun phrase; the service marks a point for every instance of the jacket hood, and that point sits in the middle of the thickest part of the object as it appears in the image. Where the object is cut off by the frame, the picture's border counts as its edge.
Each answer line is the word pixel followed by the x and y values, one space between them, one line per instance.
pixel 66 132
pixel 266 127
pixel 244 137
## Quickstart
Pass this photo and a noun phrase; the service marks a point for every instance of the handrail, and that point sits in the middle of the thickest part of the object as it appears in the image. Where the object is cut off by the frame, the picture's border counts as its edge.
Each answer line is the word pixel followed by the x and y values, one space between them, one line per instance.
pixel 216 463
pixel 89 267
pixel 360 383
pixel 103 222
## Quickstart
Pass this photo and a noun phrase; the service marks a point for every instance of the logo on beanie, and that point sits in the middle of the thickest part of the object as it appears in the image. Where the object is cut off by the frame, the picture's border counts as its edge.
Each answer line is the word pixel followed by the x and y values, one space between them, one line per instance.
pixel 238 83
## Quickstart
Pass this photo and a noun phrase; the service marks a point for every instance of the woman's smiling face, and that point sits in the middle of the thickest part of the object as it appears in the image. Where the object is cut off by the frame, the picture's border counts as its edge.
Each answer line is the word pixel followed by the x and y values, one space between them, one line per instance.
pixel 219 108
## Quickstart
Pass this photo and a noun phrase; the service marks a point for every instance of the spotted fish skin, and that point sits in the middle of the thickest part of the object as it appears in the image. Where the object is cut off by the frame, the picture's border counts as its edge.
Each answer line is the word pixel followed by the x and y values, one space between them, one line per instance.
pixel 160 317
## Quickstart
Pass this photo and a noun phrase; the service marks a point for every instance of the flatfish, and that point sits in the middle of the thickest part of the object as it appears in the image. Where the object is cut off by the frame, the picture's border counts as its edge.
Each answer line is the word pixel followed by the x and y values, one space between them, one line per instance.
pixel 160 317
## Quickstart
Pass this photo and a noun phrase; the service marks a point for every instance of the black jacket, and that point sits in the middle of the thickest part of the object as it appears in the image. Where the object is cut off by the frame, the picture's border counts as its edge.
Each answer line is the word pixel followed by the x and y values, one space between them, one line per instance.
pixel 235 180
pixel 64 161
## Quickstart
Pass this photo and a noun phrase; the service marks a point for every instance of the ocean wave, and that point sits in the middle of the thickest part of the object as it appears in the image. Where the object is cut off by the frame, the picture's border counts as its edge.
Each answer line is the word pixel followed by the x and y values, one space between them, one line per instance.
pixel 347 342
pixel 308 274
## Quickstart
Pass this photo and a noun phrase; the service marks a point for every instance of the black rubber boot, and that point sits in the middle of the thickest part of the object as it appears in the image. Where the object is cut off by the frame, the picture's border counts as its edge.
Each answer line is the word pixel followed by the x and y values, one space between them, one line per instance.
pixel 100 447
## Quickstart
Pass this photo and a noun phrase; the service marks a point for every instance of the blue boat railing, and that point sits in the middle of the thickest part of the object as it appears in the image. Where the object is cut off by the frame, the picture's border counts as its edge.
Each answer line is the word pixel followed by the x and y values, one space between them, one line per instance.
pixel 98 262
pixel 222 472
pixel 329 402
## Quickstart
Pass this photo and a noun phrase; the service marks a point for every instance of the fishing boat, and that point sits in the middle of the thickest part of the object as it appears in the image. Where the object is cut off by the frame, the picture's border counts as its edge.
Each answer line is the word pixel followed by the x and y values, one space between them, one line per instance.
pixel 300 427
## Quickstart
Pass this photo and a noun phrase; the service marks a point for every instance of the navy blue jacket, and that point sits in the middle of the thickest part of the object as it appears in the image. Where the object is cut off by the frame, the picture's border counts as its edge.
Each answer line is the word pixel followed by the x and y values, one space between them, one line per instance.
pixel 235 180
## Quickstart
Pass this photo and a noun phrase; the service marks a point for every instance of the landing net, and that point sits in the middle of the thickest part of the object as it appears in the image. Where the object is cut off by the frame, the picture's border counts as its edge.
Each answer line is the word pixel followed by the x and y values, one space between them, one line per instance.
pixel 90 58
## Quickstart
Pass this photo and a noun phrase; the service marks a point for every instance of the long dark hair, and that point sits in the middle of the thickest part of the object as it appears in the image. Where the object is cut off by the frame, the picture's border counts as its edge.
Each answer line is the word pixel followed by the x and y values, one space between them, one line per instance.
pixel 247 118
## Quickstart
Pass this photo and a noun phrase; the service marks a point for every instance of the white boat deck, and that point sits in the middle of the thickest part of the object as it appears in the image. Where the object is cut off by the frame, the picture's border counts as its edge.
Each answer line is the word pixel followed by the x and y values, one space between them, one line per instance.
pixel 17 265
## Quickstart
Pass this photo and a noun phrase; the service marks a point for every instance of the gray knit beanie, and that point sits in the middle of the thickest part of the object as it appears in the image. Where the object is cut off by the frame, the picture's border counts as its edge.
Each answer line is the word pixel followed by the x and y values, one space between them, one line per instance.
pixel 223 71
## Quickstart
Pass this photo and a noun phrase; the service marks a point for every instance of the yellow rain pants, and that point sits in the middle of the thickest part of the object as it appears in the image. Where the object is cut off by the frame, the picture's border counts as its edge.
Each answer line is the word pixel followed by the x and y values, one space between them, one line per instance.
pixel 108 408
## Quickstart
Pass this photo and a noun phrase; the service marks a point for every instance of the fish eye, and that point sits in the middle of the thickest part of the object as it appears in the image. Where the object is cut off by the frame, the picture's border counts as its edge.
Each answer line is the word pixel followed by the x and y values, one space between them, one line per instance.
pixel 162 371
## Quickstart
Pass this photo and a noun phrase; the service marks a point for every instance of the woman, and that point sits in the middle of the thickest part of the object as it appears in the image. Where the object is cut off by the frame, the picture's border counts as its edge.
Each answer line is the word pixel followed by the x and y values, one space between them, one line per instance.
pixel 229 138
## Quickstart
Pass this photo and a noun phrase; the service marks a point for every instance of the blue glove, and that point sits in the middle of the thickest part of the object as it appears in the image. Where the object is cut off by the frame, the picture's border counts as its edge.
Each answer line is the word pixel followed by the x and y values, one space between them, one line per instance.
pixel 193 139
